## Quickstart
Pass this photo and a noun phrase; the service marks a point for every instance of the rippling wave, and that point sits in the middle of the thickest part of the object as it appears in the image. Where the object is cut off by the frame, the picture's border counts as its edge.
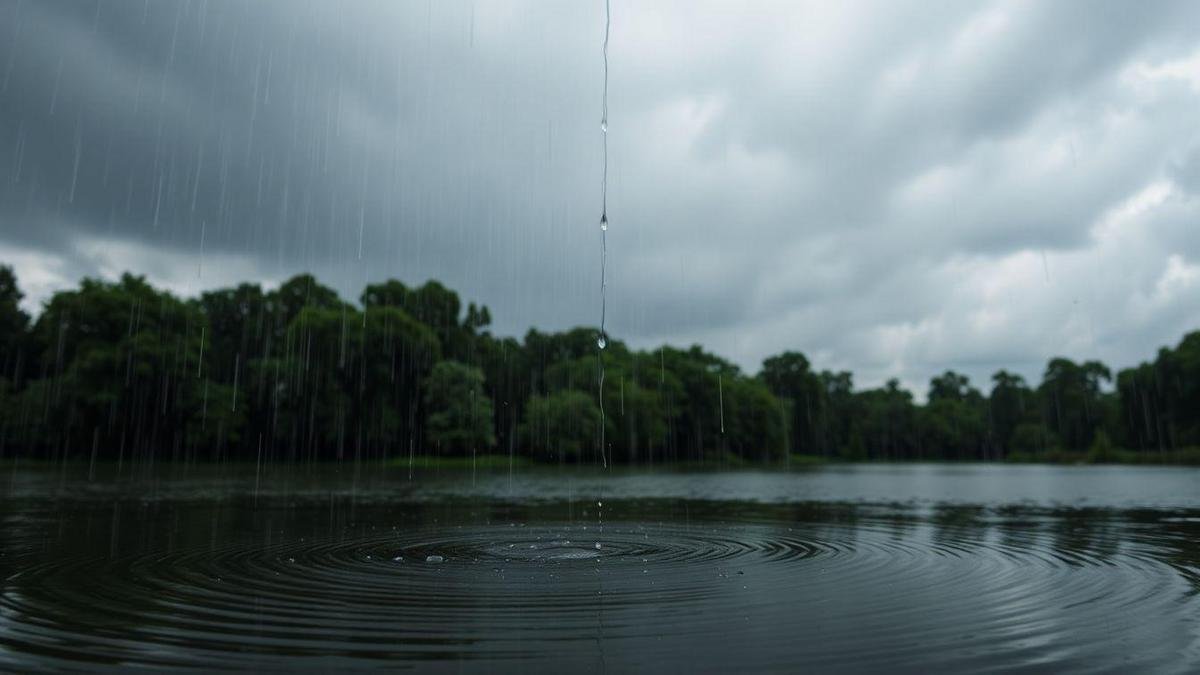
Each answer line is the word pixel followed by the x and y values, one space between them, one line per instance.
pixel 723 587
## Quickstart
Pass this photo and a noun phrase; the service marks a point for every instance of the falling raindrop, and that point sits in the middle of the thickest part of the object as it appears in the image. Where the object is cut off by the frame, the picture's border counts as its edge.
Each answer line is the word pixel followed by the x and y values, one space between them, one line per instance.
pixel 200 358
pixel 200 260
pixel 361 223
pixel 237 364
pixel 78 155
pixel 721 398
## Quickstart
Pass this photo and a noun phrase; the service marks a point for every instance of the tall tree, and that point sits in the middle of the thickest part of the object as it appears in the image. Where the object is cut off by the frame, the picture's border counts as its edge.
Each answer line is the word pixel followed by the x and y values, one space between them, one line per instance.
pixel 1159 402
pixel 458 411
pixel 952 425
pixel 790 377
pixel 1011 402
pixel 13 324
pixel 887 427
pixel 563 426
pixel 1072 400
pixel 119 363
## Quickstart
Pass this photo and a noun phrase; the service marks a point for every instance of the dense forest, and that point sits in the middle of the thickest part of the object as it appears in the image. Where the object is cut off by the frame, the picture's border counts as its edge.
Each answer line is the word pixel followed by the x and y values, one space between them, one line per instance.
pixel 124 370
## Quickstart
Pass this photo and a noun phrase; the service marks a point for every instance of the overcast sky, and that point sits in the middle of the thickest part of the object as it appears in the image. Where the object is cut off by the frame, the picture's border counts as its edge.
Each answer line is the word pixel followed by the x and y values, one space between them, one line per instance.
pixel 894 188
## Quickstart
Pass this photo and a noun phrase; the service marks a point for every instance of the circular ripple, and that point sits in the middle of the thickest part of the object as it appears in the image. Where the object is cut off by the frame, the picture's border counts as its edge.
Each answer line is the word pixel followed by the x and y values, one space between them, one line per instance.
pixel 519 594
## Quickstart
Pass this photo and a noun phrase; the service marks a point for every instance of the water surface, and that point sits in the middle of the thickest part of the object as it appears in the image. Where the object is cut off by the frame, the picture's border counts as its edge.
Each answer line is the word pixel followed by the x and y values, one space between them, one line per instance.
pixel 889 568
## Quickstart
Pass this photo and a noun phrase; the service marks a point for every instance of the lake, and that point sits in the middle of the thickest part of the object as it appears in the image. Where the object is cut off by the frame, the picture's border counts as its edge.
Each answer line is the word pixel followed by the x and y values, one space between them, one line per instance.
pixel 846 568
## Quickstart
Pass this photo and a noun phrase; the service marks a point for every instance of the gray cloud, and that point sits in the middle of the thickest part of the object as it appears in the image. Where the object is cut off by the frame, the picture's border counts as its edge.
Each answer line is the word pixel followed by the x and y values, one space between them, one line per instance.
pixel 893 189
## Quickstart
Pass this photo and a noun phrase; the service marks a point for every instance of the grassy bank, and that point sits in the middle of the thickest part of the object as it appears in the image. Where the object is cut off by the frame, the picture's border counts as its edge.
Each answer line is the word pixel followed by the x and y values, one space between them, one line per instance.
pixel 489 462
pixel 477 463
pixel 1183 457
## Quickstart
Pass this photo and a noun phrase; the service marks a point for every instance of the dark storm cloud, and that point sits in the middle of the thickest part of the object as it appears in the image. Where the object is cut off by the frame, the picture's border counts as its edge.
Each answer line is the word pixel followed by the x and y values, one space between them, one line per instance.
pixel 892 188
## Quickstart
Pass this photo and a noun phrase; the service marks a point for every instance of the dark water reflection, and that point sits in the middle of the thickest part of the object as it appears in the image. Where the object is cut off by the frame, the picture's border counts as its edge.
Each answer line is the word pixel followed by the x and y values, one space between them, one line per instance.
pixel 880 568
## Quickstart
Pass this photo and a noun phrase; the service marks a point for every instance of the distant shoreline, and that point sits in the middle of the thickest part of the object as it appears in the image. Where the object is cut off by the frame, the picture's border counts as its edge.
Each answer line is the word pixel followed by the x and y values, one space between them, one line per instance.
pixel 495 462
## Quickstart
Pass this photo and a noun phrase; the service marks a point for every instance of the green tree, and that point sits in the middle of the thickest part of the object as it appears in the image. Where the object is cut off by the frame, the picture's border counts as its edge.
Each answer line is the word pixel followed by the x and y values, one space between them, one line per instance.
pixel 301 291
pixel 694 385
pixel 563 426
pixel 634 409
pixel 1159 402
pixel 952 425
pixel 238 327
pixel 1142 402
pixel 1031 440
pixel 458 414
pixel 837 425
pixel 1102 449
pixel 755 427
pixel 120 362
pixel 508 382
pixel 1011 403
pixel 437 307
pixel 13 324
pixel 393 354
pixel 949 386
pixel 887 422
pixel 346 381
pixel 1073 404
pixel 789 376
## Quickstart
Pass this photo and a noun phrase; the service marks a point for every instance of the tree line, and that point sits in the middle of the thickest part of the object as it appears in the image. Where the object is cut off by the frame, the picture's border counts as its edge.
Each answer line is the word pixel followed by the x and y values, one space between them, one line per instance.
pixel 124 370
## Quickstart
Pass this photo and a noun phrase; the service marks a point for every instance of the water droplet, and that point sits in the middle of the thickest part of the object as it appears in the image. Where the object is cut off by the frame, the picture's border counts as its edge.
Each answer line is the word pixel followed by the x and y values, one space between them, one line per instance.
pixel 599 503
pixel 434 559
pixel 604 126
pixel 601 342
pixel 398 558
pixel 604 223
pixel 597 546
